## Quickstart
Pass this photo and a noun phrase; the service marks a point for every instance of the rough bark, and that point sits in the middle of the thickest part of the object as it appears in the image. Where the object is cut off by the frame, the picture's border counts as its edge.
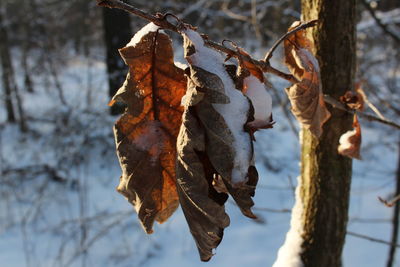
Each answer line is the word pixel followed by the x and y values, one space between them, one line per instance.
pixel 326 175
pixel 117 33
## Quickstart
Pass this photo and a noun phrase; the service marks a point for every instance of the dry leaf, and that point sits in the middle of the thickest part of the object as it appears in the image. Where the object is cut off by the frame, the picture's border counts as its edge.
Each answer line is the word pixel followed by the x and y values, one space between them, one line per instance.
pixel 207 147
pixel 252 83
pixel 146 133
pixel 202 205
pixel 306 96
pixel 350 142
pixel 354 100
pixel 248 66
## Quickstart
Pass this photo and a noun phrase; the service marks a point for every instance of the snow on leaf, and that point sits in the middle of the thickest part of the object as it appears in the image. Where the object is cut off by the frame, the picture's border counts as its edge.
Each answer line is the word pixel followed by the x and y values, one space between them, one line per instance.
pixel 306 96
pixel 234 108
pixel 146 133
pixel 212 146
pixel 252 83
pixel 350 142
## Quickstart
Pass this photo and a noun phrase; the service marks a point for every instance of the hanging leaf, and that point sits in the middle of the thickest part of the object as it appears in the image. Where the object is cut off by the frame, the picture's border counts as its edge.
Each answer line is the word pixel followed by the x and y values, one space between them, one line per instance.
pixel 350 142
pixel 248 66
pixel 202 205
pixel 213 148
pixel 252 84
pixel 306 96
pixel 146 133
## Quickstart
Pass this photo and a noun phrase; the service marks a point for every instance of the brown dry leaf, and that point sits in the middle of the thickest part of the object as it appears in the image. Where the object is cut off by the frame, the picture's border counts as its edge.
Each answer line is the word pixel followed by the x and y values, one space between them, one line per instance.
pixel 202 205
pixel 306 96
pixel 354 100
pixel 146 133
pixel 206 150
pixel 350 142
pixel 249 66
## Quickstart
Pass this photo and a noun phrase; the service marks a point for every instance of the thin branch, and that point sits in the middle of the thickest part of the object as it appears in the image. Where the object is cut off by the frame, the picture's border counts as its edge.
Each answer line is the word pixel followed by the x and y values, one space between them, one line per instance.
pixel 264 208
pixel 272 210
pixel 372 239
pixel 336 104
pixel 379 22
pixel 368 220
pixel 360 91
pixel 161 21
pixel 374 109
pixel 254 20
pixel 233 15
pixel 396 215
pixel 390 203
pixel 302 26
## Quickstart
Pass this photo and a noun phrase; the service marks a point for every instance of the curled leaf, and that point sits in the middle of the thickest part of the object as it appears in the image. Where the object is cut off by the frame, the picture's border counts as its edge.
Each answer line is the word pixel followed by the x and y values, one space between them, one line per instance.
pixel 354 100
pixel 215 154
pixel 146 133
pixel 202 205
pixel 306 97
pixel 249 66
pixel 350 142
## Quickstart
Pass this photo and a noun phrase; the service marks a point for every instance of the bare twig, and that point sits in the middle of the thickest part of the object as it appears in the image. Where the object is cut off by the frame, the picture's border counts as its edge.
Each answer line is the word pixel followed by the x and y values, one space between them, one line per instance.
pixel 254 20
pixel 396 214
pixel 336 104
pixel 100 234
pixel 368 220
pixel 374 109
pixel 265 209
pixel 390 203
pixel 227 11
pixel 380 23
pixel 161 21
pixel 372 239
pixel 302 26
pixel 272 210
pixel 360 91
pixel 35 170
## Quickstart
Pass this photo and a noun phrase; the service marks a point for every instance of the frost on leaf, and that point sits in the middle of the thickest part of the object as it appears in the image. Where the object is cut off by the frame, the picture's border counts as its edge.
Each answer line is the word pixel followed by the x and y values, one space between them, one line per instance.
pixel 146 133
pixel 306 96
pixel 350 142
pixel 215 154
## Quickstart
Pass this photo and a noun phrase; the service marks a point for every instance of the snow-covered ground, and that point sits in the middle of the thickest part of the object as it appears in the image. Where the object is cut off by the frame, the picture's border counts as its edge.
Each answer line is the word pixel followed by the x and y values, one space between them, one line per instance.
pixel 81 220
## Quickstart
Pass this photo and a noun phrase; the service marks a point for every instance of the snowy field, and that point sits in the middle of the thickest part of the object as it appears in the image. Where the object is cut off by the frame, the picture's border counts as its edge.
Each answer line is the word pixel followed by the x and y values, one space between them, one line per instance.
pixel 74 216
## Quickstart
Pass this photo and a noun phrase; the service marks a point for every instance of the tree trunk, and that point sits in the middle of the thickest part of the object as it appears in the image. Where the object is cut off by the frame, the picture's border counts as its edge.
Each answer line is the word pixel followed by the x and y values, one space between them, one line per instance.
pixel 27 29
pixel 325 175
pixel 117 33
pixel 8 78
pixel 4 55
